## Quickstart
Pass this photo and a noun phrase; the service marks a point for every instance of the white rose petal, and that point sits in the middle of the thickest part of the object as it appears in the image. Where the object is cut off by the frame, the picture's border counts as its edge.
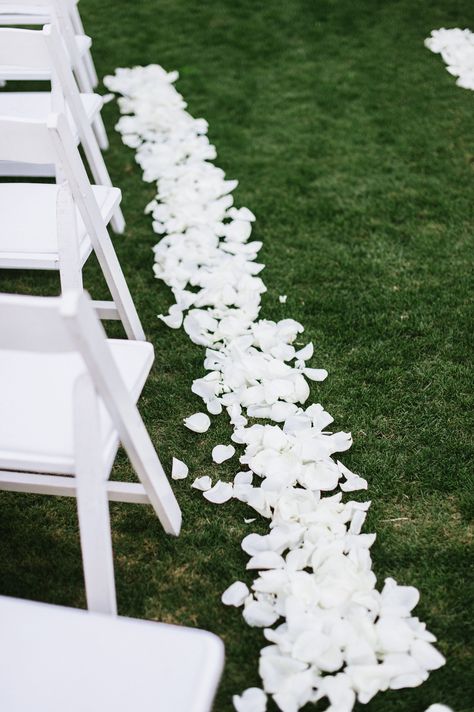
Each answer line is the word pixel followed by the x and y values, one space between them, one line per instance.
pixel 236 594
pixel 202 483
pixel 221 453
pixel 179 470
pixel 259 614
pixel 251 700
pixel 199 422
pixel 220 493
pixel 335 634
pixel 315 374
pixel 266 560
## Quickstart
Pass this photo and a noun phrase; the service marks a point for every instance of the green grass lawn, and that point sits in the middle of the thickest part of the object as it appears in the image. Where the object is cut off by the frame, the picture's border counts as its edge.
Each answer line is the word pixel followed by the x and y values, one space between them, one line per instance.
pixel 355 150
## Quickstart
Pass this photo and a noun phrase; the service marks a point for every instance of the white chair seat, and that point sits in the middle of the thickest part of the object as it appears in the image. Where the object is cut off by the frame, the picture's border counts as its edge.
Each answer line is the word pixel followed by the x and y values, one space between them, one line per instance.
pixel 77 661
pixel 83 43
pixel 36 405
pixel 37 105
pixel 28 235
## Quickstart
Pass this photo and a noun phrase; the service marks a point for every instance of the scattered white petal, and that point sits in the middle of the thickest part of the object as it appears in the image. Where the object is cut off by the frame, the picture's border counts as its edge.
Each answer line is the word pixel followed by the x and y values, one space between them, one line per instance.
pixel 202 483
pixel 220 493
pixel 282 298
pixel 199 422
pixel 339 638
pixel 306 353
pixel 266 560
pixel 243 478
pixel 179 470
pixel 251 700
pixel 315 374
pixel 221 453
pixel 236 594
pixel 259 614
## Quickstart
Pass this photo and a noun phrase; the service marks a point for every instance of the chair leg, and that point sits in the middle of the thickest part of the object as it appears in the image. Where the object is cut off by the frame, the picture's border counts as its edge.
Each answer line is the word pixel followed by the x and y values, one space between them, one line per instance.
pixel 70 272
pixel 117 285
pixel 100 132
pixel 87 59
pixel 99 171
pixel 118 221
pixel 92 502
pixel 96 546
pixel 89 62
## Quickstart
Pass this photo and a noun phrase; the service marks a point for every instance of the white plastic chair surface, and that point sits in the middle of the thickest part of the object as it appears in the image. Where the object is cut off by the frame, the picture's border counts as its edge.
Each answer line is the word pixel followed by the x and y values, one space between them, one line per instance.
pixel 55 659
pixel 30 209
pixel 65 16
pixel 26 50
pixel 68 398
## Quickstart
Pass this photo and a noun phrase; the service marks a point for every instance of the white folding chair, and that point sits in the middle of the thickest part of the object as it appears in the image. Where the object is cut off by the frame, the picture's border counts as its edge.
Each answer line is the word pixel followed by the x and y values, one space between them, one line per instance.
pixel 56 226
pixel 19 12
pixel 57 659
pixel 44 49
pixel 68 398
pixel 56 12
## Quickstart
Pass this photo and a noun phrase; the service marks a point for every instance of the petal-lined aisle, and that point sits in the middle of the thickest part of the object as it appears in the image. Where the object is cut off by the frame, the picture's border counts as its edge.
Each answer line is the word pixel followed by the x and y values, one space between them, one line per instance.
pixel 337 636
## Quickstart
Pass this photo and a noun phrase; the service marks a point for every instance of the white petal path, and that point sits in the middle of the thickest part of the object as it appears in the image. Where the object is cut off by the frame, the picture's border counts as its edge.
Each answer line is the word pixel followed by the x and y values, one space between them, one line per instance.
pixel 456 48
pixel 337 637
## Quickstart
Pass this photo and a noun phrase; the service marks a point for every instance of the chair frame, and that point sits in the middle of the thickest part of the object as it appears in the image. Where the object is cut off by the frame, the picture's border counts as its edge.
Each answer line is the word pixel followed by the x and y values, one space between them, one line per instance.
pixel 25 46
pixel 22 140
pixel 13 15
pixel 69 324
pixel 60 13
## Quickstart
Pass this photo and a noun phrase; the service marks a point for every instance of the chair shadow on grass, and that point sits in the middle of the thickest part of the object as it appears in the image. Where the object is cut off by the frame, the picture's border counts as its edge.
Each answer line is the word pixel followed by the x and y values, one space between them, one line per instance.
pixel 40 553
pixel 40 556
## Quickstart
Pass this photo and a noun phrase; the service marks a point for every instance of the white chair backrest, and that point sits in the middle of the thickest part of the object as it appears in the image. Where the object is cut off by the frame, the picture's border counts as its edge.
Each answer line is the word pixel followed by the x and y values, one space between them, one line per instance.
pixel 58 325
pixel 35 49
pixel 34 7
pixel 24 48
pixel 43 49
pixel 75 327
pixel 33 324
pixel 29 141
pixel 42 9
pixel 15 12
pixel 26 141
pixel 57 12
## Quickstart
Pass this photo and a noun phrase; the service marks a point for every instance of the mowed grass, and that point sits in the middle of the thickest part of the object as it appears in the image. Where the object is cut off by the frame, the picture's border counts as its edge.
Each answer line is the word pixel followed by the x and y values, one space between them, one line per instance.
pixel 355 149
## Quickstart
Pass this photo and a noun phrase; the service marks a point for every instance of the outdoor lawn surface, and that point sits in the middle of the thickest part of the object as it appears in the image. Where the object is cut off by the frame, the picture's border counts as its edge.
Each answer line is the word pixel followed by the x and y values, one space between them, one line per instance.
pixel 355 150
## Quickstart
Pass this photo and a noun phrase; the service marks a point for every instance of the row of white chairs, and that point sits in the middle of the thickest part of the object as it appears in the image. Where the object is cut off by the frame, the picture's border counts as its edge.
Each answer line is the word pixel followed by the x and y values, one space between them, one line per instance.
pixel 56 226
pixel 32 50
pixel 68 393
pixel 65 16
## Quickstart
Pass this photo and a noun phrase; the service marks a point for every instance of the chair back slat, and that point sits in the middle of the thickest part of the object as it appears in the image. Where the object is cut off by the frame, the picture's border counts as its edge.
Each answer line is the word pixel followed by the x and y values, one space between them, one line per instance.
pixel 23 48
pixel 25 141
pixel 32 324
pixel 56 12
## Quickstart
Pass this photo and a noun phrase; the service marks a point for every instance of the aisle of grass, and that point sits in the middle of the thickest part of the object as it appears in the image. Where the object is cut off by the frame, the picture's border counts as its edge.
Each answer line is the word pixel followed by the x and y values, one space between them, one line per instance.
pixel 355 150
